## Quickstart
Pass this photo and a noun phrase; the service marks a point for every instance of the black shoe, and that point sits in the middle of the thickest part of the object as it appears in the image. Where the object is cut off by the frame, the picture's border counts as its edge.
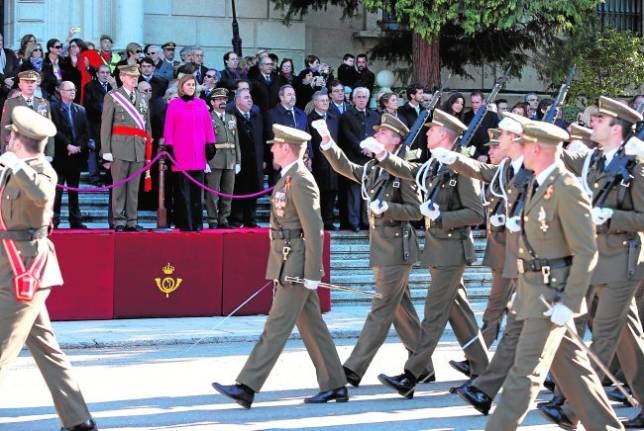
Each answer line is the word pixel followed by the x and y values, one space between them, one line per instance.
pixel 340 395
pixel 556 401
pixel 88 425
pixel 616 395
pixel 555 415
pixel 549 383
pixel 77 225
pixel 636 422
pixel 355 228
pixel 251 224
pixel 119 228
pixel 352 377
pixel 461 366
pixel 330 226
pixel 224 225
pixel 404 384
pixel 212 226
pixel 137 228
pixel 243 395
pixel 235 224
pixel 426 378
pixel 476 397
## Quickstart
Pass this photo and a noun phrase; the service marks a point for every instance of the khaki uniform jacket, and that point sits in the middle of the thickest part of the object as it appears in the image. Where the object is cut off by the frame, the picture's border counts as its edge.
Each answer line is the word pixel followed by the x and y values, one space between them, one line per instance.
pixel 295 204
pixel 626 225
pixel 226 157
pixel 557 224
pixel 40 105
pixel 126 148
pixel 27 203
pixel 450 243
pixel 392 239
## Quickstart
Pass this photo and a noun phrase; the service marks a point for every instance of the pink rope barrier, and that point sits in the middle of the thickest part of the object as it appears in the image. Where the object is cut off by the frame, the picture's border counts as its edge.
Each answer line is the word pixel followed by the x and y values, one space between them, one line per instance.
pixel 156 158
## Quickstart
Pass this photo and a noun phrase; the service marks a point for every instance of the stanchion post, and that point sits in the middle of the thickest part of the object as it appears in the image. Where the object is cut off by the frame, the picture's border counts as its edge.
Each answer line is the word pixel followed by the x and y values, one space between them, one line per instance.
pixel 162 212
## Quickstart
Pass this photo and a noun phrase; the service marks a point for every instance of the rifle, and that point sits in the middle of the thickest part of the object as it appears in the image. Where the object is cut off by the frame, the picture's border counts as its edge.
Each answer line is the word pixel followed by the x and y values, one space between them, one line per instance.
pixel 553 110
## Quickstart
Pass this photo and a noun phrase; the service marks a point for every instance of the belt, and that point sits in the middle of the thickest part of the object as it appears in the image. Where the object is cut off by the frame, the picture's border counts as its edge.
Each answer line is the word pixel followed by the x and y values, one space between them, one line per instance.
pixel 543 265
pixel 25 234
pixel 286 234
pixel 224 146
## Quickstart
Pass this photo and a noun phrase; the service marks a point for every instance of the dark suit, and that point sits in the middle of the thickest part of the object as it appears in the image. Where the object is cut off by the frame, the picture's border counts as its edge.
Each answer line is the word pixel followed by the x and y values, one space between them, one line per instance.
pixel 11 67
pixel 365 78
pixel 251 177
pixel 339 110
pixel 228 78
pixel 68 167
pixel 354 127
pixel 323 173
pixel 265 94
pixel 200 72
pixel 480 138
pixel 159 85
pixel 411 116
pixel 279 115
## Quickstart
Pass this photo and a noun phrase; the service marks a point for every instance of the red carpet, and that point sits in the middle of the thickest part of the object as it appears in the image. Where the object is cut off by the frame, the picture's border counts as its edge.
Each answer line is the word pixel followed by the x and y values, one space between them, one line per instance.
pixel 163 274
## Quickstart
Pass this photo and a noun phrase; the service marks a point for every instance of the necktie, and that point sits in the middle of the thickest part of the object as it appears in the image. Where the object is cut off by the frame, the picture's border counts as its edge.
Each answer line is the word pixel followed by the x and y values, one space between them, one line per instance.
pixel 70 118
pixel 292 115
pixel 104 85
pixel 132 97
pixel 533 188
pixel 267 78
pixel 601 163
pixel 511 171
pixel 30 103
pixel 247 116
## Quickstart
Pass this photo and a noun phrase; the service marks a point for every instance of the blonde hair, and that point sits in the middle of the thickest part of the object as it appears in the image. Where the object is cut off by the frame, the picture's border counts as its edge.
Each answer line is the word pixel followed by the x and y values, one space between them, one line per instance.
pixel 183 80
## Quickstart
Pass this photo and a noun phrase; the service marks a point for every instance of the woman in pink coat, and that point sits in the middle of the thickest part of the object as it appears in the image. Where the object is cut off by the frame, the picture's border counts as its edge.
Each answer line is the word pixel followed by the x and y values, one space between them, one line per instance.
pixel 190 138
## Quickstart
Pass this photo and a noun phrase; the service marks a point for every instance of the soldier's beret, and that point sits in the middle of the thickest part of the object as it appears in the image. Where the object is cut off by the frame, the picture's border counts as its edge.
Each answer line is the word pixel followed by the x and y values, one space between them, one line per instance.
pixel 29 75
pixel 31 124
pixel 494 137
pixel 544 133
pixel 219 92
pixel 392 123
pixel 616 109
pixel 105 37
pixel 169 45
pixel 513 123
pixel 443 119
pixel 288 135
pixel 129 69
pixel 580 132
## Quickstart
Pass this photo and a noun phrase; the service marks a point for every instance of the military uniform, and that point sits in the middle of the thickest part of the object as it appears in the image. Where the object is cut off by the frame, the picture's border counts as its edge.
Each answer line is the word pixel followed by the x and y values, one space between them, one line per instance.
pixel 448 248
pixel 295 251
pixel 38 104
pixel 126 150
pixel 222 166
pixel 27 190
pixel 557 253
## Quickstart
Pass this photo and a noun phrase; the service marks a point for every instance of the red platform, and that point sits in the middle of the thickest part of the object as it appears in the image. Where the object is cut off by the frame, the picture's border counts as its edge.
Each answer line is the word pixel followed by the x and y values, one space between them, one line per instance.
pixel 163 274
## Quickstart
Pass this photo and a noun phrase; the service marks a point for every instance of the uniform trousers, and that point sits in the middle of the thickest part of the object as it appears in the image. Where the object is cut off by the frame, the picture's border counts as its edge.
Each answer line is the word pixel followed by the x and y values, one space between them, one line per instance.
pixel 218 208
pixel 294 305
pixel 125 198
pixel 543 346
pixel 496 305
pixel 27 322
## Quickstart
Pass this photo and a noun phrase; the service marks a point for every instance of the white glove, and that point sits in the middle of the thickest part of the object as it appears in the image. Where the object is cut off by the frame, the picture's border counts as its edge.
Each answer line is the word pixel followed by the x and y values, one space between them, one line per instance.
pixel 497 220
pixel 49 159
pixel 559 314
pixel 321 127
pixel 513 224
pixel 634 147
pixel 108 157
pixel 311 284
pixel 511 301
pixel 601 215
pixel 378 207
pixel 444 155
pixel 372 145
pixel 237 168
pixel 10 160
pixel 207 169
pixel 432 212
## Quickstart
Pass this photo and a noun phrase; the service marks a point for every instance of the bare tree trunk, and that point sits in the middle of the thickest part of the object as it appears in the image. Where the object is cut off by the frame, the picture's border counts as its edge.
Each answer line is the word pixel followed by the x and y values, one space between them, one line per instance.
pixel 426 61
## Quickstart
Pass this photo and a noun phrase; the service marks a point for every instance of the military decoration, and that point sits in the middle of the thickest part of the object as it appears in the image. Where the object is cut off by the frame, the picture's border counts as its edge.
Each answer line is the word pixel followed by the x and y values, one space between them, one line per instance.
pixel 549 192
pixel 279 203
pixel 542 220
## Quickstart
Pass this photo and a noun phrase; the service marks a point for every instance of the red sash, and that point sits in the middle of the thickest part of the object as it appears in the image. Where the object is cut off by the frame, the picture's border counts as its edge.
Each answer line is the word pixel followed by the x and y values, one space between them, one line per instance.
pixel 25 281
pixel 135 131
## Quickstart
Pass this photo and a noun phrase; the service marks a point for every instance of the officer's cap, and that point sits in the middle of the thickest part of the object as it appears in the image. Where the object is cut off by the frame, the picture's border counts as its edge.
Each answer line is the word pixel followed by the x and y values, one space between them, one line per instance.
pixel 31 124
pixel 129 69
pixel 616 109
pixel 219 92
pixel 542 132
pixel 494 137
pixel 29 75
pixel 513 123
pixel 390 122
pixel 580 132
pixel 169 45
pixel 443 119
pixel 288 135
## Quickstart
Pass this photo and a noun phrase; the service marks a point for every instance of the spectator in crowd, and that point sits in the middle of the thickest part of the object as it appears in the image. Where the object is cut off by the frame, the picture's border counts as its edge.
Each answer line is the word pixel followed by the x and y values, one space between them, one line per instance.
pixel 226 163
pixel 251 143
pixel 337 103
pixel 637 102
pixel 55 69
pixel 285 72
pixel 544 105
pixel 209 84
pixel 158 84
pixel 133 53
pixel 200 67
pixel 412 108
pixel 162 68
pixel 532 100
pixel 109 57
pixel 9 66
pixel 520 108
pixel 33 58
pixel 71 150
pixel 265 86
pixel 355 126
pixel 185 54
pixel 27 42
pixel 454 105
pixel 232 72
pixel 86 61
pixel 325 176
pixel 145 89
pixel 489 120
pixel 347 74
pixel 365 77
pixel 189 135
pixel 253 64
pixel 306 84
pixel 501 105
pixel 168 53
pixel 388 103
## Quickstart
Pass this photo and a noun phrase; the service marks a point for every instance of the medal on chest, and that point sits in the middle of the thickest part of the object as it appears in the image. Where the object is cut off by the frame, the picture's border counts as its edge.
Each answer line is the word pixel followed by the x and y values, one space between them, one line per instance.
pixel 542 220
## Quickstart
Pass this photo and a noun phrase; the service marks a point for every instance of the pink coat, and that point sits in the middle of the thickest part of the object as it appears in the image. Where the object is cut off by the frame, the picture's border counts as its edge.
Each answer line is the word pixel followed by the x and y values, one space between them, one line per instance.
pixel 187 129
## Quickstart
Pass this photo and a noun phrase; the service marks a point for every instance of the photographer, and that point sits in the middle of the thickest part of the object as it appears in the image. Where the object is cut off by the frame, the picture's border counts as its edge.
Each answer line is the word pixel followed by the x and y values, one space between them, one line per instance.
pixel 314 77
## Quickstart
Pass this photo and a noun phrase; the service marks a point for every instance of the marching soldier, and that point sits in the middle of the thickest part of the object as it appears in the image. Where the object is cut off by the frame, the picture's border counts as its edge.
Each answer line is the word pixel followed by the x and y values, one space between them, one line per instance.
pixel 296 251
pixel 393 245
pixel 27 82
pixel 557 254
pixel 448 248
pixel 125 144
pixel 226 163
pixel 618 215
pixel 28 264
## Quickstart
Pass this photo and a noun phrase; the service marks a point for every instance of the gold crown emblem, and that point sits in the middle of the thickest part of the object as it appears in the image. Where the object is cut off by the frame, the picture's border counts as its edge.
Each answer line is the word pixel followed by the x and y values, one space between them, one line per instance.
pixel 168 269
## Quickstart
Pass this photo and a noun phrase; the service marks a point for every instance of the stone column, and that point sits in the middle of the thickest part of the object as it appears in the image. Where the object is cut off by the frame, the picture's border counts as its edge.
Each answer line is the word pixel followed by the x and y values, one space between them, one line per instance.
pixel 128 22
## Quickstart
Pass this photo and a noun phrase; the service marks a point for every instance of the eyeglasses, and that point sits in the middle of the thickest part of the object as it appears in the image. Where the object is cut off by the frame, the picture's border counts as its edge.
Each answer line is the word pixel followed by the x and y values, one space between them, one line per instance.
pixel 267 64
pixel 57 46
pixel 168 49
pixel 36 49
pixel 209 76
pixel 68 89
pixel 151 53
pixel 138 51
pixel 146 91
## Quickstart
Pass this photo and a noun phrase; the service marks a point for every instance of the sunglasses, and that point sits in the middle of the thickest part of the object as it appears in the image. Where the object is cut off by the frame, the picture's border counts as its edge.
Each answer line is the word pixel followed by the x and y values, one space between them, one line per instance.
pixel 151 53
pixel 138 51
pixel 168 49
pixel 57 46
pixel 36 49
pixel 209 76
